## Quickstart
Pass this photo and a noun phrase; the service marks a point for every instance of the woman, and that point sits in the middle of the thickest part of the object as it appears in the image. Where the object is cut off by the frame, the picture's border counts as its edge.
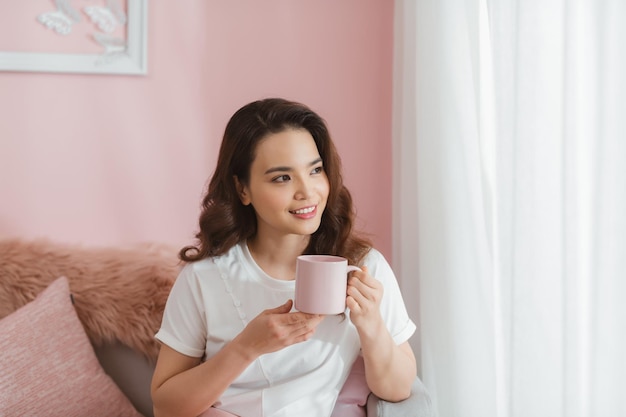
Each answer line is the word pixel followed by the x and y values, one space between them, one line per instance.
pixel 230 337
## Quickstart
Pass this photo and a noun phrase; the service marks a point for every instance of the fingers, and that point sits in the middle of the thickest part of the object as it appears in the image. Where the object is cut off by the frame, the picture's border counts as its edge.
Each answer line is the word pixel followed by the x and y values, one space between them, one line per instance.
pixel 352 304
pixel 277 328
pixel 285 308
pixel 291 327
pixel 286 317
pixel 302 337
pixel 364 294
pixel 304 329
pixel 298 322
pixel 365 278
pixel 288 333
pixel 363 287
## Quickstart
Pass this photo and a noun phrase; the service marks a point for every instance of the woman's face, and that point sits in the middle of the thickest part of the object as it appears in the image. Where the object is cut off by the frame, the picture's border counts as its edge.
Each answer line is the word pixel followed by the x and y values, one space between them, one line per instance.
pixel 288 187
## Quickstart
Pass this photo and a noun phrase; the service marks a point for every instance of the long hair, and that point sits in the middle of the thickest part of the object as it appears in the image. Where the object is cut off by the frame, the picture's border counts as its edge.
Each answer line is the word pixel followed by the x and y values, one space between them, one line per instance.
pixel 225 221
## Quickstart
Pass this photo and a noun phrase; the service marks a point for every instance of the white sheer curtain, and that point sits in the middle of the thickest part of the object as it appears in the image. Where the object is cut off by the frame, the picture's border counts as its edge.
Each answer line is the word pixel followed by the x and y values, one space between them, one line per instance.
pixel 510 202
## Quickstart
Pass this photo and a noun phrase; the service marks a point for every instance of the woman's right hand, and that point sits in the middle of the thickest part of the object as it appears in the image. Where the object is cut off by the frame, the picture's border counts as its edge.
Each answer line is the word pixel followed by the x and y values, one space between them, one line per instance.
pixel 275 329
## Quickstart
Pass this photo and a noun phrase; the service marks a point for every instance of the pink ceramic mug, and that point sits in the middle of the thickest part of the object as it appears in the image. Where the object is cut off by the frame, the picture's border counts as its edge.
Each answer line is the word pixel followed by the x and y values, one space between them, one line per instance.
pixel 321 284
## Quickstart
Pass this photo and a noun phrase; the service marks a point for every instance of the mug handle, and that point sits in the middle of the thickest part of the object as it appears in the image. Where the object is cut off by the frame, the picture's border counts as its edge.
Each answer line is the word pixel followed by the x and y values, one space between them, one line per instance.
pixel 352 268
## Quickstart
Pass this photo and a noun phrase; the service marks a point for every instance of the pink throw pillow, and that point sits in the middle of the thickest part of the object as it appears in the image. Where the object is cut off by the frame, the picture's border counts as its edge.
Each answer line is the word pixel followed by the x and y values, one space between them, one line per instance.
pixel 49 366
pixel 353 396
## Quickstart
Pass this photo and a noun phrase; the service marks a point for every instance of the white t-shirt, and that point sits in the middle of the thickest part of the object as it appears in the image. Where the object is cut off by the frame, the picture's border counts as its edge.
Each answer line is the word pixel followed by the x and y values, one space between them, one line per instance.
pixel 214 299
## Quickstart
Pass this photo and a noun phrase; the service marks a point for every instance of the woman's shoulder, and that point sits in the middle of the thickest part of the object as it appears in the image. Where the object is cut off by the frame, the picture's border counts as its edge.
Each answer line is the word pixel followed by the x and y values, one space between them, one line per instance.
pixel 211 265
pixel 378 266
pixel 373 256
pixel 193 272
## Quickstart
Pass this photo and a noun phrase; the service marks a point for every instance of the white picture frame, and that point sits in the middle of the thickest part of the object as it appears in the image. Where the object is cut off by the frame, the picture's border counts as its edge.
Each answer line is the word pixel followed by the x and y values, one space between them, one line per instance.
pixel 133 61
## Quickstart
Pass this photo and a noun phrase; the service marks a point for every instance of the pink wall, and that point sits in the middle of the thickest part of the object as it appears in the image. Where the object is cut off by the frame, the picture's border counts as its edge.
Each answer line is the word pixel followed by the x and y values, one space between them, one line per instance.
pixel 109 159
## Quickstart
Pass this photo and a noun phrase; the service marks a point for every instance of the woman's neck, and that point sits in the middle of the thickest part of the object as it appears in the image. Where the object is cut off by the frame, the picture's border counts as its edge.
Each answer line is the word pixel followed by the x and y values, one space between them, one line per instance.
pixel 277 257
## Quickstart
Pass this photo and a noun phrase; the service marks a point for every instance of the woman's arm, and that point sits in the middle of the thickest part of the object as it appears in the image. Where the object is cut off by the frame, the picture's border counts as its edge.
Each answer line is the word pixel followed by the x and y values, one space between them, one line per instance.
pixel 390 369
pixel 183 386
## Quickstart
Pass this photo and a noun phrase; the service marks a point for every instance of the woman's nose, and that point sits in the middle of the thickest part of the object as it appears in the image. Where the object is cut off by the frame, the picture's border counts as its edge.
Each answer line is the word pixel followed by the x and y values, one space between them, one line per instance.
pixel 303 190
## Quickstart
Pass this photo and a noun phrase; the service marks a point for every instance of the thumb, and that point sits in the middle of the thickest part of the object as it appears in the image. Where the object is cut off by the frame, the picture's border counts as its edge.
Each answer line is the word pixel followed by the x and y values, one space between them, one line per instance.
pixel 285 308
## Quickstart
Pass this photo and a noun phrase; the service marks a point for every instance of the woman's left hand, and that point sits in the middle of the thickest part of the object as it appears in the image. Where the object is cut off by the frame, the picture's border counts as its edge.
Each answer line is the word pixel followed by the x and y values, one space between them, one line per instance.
pixel 363 299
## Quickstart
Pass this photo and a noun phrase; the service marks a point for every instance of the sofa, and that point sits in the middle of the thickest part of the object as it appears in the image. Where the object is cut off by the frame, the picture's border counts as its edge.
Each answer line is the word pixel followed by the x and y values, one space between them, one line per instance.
pixel 77 329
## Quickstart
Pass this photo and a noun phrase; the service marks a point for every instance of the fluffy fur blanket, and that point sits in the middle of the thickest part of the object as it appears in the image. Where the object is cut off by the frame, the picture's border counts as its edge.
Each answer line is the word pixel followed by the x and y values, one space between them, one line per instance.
pixel 119 293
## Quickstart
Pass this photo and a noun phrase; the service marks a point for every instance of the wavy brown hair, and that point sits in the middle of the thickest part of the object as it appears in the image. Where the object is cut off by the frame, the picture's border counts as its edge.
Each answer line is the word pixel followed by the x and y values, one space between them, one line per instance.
pixel 225 221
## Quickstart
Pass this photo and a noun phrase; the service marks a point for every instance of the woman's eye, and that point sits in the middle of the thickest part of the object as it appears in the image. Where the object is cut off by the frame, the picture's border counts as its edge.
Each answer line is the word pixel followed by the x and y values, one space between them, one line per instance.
pixel 318 170
pixel 282 178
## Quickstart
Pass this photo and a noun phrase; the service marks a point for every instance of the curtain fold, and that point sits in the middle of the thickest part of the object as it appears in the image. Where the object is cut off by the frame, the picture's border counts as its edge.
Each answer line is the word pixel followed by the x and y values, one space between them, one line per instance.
pixel 509 139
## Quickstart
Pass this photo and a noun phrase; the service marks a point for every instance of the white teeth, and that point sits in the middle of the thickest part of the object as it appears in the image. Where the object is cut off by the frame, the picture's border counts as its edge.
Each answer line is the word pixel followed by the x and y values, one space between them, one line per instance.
pixel 304 211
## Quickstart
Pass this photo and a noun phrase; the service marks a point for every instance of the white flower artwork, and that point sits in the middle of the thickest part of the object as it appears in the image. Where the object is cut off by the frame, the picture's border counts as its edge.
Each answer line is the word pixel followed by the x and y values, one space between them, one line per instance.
pixel 106 18
pixel 114 48
pixel 61 19
pixel 117 28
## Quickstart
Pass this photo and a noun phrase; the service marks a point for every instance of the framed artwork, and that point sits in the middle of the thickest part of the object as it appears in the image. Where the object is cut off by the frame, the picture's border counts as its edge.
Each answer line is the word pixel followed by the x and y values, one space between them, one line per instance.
pixel 74 36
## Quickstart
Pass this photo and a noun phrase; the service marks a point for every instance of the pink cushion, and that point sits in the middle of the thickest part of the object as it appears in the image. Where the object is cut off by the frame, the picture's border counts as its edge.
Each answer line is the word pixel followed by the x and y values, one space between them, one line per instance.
pixel 353 395
pixel 48 365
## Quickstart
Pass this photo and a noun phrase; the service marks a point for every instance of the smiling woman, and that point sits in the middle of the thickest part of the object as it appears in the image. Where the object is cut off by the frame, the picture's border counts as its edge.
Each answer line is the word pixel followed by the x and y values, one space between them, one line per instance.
pixel 287 188
pixel 230 337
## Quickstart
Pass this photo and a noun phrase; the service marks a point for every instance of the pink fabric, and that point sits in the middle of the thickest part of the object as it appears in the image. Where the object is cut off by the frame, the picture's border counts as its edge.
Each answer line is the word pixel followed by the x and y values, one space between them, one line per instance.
pixel 353 396
pixel 48 365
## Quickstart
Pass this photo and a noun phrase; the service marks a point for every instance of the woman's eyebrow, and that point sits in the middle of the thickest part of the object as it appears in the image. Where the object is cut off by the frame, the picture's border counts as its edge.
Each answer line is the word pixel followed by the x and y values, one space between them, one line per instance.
pixel 289 169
